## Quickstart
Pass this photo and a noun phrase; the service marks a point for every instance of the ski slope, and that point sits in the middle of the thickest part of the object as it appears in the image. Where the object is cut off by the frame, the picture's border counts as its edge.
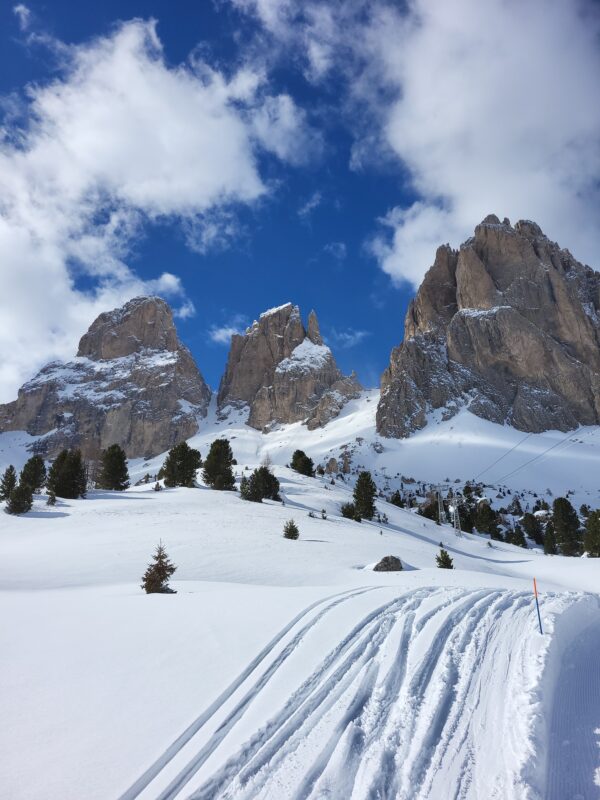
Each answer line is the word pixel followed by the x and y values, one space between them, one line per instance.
pixel 292 670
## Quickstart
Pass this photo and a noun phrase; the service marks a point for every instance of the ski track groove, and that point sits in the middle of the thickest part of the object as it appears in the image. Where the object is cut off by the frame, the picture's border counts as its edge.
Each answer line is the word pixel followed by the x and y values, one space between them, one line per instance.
pixel 284 725
pixel 377 719
pixel 178 744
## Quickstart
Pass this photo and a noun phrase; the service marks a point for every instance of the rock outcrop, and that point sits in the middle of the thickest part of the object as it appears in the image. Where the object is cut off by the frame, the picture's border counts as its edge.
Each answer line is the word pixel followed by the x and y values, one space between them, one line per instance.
pixel 508 325
pixel 132 383
pixel 284 373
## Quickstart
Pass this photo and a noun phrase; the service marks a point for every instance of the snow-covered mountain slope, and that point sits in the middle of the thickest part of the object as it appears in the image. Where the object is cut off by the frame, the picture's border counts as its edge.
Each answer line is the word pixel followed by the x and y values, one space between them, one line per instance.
pixel 285 669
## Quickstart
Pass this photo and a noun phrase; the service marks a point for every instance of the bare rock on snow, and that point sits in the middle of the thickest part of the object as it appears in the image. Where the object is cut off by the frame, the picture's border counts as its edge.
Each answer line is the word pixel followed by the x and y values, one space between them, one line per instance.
pixel 508 325
pixel 132 383
pixel 284 373
pixel 388 564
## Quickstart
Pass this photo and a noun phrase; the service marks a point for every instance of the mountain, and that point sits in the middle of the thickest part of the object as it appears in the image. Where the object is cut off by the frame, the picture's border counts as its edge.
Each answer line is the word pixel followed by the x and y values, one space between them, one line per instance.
pixel 508 326
pixel 283 372
pixel 132 383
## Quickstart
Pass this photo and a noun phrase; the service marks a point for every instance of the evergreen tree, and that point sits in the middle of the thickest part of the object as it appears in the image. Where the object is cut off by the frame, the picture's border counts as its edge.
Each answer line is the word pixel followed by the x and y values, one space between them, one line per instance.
pixel 532 527
pixel 20 499
pixel 516 536
pixel 429 510
pixel 486 520
pixel 113 470
pixel 566 527
pixel 396 499
pixel 33 473
pixel 51 501
pixel 180 466
pixel 245 488
pixel 217 466
pixel 290 530
pixel 364 495
pixel 156 577
pixel 591 540
pixel 443 560
pixel 550 547
pixel 67 476
pixel 262 485
pixel 302 463
pixel 8 482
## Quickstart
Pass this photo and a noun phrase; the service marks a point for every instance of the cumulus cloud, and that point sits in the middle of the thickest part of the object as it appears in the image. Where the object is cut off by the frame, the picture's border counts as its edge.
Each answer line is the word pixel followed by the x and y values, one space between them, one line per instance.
pixel 119 140
pixel 221 334
pixel 488 107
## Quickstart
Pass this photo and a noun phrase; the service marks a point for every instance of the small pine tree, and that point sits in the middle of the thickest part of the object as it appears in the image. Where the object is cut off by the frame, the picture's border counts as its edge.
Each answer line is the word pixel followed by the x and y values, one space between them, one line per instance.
pixel 114 474
pixel 51 501
pixel 566 527
pixel 550 547
pixel 302 463
pixel 348 510
pixel 517 537
pixel 67 476
pixel 591 540
pixel 443 560
pixel 8 482
pixel 486 520
pixel 245 488
pixel 156 577
pixel 364 495
pixel 290 530
pixel 218 473
pixel 181 465
pixel 33 473
pixel 20 499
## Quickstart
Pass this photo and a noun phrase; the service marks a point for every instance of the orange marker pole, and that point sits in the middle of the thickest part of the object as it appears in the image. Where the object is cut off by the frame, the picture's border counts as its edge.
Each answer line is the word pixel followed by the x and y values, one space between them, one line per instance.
pixel 537 605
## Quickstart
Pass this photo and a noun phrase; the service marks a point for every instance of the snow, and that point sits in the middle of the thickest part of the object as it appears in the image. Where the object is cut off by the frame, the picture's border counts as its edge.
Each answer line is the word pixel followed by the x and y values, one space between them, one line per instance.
pixel 274 310
pixel 290 669
pixel 305 357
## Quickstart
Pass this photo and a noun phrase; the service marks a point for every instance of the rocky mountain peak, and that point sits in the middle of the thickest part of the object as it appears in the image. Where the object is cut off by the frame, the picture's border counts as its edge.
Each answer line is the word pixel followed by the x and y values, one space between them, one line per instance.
pixel 508 325
pixel 283 372
pixel 144 322
pixel 132 383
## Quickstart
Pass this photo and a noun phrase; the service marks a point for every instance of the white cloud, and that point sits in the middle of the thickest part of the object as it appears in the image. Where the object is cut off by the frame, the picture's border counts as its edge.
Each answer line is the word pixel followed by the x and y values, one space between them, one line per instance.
pixel 488 107
pixel 306 209
pixel 336 250
pixel 23 15
pixel 347 338
pixel 119 140
pixel 221 334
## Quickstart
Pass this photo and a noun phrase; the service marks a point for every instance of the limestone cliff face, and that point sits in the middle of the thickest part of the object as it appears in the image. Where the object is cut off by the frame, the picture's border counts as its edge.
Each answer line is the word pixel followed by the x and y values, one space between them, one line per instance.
pixel 508 325
pixel 132 383
pixel 284 373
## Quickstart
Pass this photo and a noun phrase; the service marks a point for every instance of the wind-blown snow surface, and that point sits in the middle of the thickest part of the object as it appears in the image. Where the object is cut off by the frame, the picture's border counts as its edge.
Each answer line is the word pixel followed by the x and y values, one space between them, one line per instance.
pixel 289 669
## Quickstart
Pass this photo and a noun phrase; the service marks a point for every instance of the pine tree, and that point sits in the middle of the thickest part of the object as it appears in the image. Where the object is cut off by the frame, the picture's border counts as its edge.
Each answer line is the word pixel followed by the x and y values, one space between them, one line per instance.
pixel 591 540
pixel 156 577
pixel 396 499
pixel 516 536
pixel 550 547
pixel 8 482
pixel 443 560
pixel 348 511
pixel 262 485
pixel 20 499
pixel 67 475
pixel 364 495
pixel 181 465
pixel 532 527
pixel 51 501
pixel 114 474
pixel 302 463
pixel 218 473
pixel 245 488
pixel 486 520
pixel 290 530
pixel 34 473
pixel 566 527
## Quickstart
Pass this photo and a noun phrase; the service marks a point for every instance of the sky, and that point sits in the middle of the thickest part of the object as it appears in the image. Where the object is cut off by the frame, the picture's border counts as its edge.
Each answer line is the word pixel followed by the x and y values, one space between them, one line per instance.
pixel 233 155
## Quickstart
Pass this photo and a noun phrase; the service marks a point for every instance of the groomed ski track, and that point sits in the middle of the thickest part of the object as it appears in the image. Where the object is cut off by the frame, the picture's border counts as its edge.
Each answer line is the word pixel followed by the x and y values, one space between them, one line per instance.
pixel 369 695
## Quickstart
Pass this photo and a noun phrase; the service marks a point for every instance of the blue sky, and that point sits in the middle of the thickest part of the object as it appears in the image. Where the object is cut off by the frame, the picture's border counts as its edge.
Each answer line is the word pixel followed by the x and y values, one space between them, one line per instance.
pixel 237 154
